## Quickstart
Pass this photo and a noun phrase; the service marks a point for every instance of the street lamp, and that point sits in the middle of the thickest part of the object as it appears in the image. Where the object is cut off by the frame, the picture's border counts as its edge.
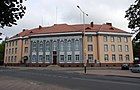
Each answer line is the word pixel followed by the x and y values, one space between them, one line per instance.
pixel 84 46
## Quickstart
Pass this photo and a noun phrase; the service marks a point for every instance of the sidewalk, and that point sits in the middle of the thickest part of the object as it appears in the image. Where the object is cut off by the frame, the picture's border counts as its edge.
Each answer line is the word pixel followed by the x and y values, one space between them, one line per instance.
pixel 107 71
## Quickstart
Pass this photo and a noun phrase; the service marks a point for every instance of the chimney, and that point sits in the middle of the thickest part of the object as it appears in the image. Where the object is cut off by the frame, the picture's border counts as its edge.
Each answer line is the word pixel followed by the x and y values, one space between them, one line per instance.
pixel 110 24
pixel 23 30
pixel 40 26
pixel 91 24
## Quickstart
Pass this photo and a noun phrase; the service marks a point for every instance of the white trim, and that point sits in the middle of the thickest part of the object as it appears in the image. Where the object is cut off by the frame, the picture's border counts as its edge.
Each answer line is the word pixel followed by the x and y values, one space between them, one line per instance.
pixel 112 33
pixel 33 62
pixel 47 62
pixel 76 62
pixel 69 62
pixel 13 39
pixel 40 62
pixel 61 62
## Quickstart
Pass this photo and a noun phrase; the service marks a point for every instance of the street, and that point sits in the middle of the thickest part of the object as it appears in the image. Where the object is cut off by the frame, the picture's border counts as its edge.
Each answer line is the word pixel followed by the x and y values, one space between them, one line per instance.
pixel 73 81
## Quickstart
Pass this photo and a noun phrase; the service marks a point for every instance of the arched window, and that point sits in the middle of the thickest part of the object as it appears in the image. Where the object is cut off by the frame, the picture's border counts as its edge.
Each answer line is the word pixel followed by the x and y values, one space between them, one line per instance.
pixel 47 46
pixel 69 45
pixel 77 45
pixel 61 46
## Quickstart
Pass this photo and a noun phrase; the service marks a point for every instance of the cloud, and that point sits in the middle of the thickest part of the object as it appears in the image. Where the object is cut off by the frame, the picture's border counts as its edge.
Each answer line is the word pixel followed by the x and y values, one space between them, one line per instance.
pixel 49 12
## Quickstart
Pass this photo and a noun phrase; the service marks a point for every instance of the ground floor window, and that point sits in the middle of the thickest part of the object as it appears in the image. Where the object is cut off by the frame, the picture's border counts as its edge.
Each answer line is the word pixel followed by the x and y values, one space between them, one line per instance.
pixel 120 57
pixel 90 57
pixel 34 58
pixel 69 57
pixel 77 57
pixel 127 58
pixel 40 58
pixel 106 57
pixel 62 57
pixel 47 57
pixel 113 57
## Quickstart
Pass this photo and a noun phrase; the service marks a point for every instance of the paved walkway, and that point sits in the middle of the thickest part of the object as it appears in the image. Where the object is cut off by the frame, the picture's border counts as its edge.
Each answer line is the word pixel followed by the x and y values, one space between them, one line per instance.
pixel 10 83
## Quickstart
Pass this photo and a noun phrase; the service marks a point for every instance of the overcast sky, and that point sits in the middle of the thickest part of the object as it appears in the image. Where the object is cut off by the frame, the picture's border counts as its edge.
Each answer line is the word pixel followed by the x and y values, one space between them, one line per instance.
pixel 49 12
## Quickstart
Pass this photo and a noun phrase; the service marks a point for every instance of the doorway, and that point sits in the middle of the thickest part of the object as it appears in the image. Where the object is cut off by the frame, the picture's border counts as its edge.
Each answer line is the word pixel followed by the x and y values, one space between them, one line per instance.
pixel 54 57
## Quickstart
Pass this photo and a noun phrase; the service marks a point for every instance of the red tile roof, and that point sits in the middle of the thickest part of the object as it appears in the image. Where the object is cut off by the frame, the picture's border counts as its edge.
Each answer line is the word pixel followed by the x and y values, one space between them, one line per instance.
pixel 62 28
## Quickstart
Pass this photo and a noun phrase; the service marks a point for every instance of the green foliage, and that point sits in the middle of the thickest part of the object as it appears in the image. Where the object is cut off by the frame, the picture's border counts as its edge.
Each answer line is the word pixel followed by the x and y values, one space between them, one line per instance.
pixel 10 12
pixel 2 48
pixel 133 16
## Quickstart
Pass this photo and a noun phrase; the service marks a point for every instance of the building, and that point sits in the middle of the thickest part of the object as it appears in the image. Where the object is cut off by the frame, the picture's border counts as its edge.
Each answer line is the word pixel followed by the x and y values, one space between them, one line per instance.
pixel 62 44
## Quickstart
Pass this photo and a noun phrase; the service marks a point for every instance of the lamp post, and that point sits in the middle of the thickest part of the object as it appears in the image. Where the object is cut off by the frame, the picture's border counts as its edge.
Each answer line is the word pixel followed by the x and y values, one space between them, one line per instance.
pixel 84 46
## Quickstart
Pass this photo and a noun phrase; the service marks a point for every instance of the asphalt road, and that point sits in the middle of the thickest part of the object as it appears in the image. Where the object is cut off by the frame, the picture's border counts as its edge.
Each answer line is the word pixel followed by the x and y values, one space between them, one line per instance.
pixel 75 81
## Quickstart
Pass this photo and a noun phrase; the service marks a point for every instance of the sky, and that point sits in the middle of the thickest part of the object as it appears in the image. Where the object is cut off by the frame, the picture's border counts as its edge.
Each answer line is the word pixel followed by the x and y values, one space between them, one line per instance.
pixel 50 12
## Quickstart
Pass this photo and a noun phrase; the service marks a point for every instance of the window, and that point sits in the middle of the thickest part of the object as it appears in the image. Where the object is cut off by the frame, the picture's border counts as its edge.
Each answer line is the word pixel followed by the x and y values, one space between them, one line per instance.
pixel 40 58
pixel 11 58
pixel 105 47
pixel 16 43
pixel 26 50
pixel 120 57
pixel 15 50
pixel 126 48
pixel 47 46
pixel 34 44
pixel 113 48
pixel 62 57
pixel 119 39
pixel 105 38
pixel 112 39
pixel 90 47
pixel 6 51
pixel 113 57
pixel 89 38
pixel 125 39
pixel 61 46
pixel 47 57
pixel 34 58
pixel 76 45
pixel 106 57
pixel 15 59
pixel 77 57
pixel 69 45
pixel 41 46
pixel 90 57
pixel 9 51
pixel 120 48
pixel 54 46
pixel 69 57
pixel 12 43
pixel 26 41
pixel 127 57
pixel 12 50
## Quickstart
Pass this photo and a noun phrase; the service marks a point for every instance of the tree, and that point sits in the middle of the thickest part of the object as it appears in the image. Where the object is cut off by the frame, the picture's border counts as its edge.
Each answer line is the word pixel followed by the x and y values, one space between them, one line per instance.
pixel 10 12
pixel 2 48
pixel 133 16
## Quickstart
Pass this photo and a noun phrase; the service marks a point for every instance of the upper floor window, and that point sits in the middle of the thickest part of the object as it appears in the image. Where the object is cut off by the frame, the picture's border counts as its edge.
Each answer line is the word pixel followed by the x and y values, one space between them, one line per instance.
pixel 34 44
pixel 105 38
pixel 69 45
pixel 26 41
pixel 106 57
pixel 77 45
pixel 119 39
pixel 105 47
pixel 12 50
pixel 120 48
pixel 90 47
pixel 16 42
pixel 12 43
pixel 61 46
pixel 112 38
pixel 89 38
pixel 113 57
pixel 54 46
pixel 113 48
pixel 41 46
pixel 9 43
pixel 15 59
pixel 26 50
pixel 9 51
pixel 126 48
pixel 15 50
pixel 125 39
pixel 47 46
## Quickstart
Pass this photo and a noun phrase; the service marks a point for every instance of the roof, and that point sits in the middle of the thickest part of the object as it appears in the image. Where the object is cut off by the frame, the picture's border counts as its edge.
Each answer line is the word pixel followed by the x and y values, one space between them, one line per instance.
pixel 63 28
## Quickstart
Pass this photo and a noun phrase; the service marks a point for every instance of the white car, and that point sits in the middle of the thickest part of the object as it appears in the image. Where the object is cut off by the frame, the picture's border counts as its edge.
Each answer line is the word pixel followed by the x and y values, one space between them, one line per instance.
pixel 135 68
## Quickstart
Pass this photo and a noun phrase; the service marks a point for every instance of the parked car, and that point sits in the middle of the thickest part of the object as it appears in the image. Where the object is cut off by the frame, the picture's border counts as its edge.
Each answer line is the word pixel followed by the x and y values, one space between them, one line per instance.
pixel 135 68
pixel 125 67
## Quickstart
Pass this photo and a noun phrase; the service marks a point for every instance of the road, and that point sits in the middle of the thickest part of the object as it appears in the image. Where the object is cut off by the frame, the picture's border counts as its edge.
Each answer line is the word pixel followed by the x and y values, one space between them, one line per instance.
pixel 74 81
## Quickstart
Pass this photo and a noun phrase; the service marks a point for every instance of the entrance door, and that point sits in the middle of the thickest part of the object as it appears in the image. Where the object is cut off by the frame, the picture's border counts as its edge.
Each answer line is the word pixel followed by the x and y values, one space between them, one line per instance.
pixel 54 57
